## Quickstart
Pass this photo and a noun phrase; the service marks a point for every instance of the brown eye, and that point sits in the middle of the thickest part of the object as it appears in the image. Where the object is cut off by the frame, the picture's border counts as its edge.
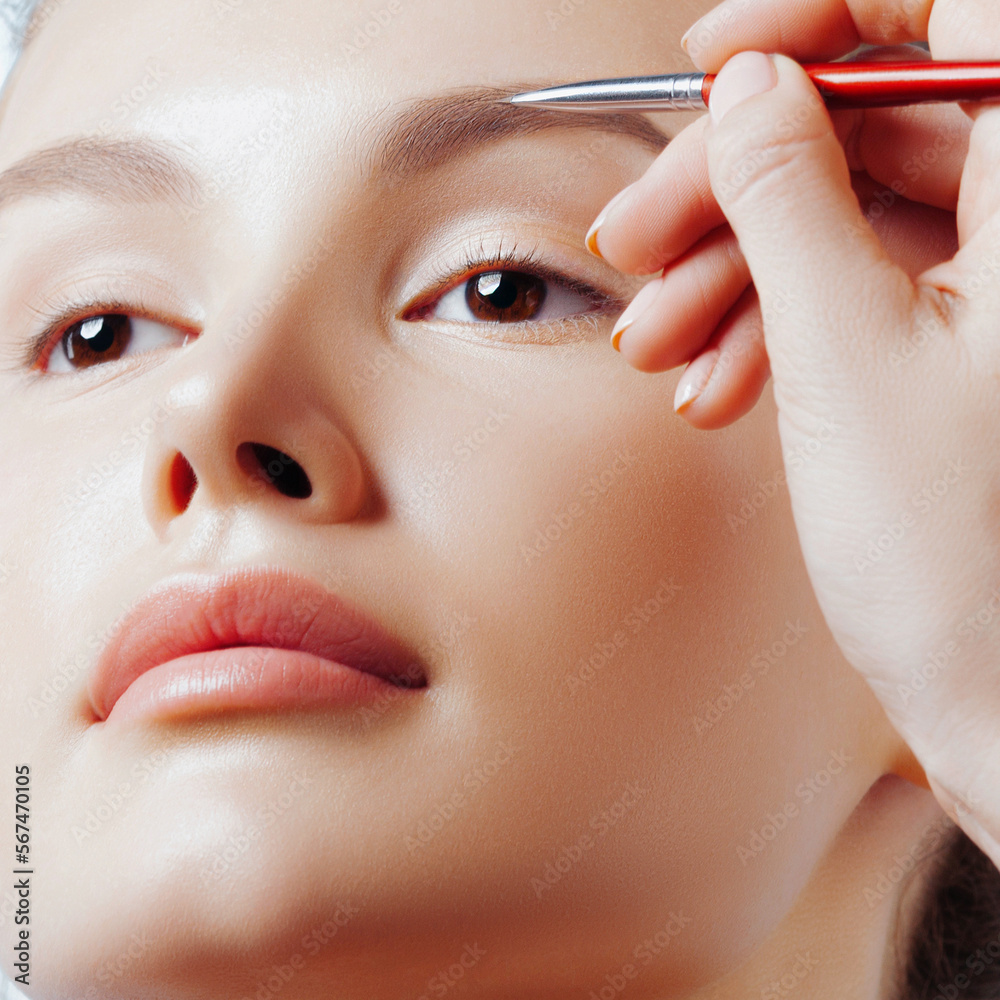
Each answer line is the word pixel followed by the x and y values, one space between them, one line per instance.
pixel 526 299
pixel 505 296
pixel 104 337
pixel 100 338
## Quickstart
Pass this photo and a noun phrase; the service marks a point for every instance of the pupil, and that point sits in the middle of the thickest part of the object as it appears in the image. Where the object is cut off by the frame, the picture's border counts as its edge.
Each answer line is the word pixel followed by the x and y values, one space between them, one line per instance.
pixel 505 295
pixel 499 289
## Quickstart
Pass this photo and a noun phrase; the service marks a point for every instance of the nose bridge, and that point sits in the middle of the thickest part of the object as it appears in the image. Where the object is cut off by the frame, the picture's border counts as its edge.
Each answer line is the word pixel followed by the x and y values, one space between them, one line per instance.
pixel 249 422
pixel 278 295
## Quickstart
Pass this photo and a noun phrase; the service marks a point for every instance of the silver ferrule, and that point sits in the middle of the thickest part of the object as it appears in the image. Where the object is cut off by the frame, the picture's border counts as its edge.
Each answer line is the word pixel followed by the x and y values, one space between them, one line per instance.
pixel 685 91
pixel 673 92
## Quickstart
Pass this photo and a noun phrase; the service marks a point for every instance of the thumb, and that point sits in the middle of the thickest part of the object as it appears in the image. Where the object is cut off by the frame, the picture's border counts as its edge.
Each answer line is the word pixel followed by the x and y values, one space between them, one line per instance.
pixel 781 177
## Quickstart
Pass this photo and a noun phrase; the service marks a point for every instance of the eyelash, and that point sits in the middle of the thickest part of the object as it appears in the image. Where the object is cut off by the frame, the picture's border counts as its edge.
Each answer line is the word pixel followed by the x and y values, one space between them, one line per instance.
pixel 479 261
pixel 61 313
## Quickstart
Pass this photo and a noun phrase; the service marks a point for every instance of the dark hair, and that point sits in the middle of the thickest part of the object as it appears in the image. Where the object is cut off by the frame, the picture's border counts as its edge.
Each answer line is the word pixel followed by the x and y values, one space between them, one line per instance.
pixel 953 950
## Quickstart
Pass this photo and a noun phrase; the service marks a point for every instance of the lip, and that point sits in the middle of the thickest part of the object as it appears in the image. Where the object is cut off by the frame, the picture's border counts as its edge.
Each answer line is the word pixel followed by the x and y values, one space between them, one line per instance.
pixel 260 638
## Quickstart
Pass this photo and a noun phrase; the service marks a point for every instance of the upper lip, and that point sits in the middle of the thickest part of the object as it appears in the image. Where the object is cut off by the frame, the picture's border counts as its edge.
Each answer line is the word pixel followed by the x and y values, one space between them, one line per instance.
pixel 197 612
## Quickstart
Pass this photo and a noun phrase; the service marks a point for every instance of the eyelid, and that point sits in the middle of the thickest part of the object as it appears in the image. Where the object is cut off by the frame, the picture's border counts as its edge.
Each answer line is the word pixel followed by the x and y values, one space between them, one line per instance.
pixel 480 261
pixel 443 286
pixel 64 310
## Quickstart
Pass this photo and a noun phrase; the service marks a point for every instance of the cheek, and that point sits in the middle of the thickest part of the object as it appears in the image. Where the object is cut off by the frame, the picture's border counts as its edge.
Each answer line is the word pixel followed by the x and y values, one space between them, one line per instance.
pixel 611 602
pixel 70 512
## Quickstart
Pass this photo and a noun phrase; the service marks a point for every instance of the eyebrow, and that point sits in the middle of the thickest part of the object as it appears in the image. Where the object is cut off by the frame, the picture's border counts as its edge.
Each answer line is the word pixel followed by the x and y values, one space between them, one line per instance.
pixel 140 170
pixel 433 130
pixel 425 133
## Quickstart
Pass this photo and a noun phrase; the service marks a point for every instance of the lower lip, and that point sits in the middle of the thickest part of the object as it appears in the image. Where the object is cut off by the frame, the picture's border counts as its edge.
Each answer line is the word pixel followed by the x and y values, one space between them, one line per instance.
pixel 247 677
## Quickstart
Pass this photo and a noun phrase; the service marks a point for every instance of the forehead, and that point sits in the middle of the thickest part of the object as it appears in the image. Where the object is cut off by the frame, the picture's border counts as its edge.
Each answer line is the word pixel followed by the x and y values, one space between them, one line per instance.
pixel 112 63
pixel 271 99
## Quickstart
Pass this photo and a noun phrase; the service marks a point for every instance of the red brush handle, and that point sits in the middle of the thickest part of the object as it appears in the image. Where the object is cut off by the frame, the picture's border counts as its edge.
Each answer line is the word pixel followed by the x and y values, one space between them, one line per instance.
pixel 884 84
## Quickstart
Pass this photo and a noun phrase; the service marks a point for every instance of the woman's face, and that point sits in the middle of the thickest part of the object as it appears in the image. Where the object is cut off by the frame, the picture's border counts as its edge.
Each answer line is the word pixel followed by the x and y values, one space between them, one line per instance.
pixel 628 676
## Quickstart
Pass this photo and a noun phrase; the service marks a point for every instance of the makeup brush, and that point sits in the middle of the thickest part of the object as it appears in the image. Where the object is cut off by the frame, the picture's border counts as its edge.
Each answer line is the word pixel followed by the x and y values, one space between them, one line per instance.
pixel 841 85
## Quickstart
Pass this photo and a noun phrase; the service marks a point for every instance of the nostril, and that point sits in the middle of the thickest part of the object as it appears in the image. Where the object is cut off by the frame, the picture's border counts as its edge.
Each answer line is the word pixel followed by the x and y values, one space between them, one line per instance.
pixel 182 482
pixel 282 471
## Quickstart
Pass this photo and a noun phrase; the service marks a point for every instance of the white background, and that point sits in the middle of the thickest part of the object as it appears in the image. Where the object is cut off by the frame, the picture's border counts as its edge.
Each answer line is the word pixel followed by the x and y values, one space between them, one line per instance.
pixel 6 50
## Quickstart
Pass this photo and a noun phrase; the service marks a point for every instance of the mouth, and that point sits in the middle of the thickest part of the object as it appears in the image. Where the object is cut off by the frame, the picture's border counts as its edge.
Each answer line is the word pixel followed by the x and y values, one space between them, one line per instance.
pixel 256 638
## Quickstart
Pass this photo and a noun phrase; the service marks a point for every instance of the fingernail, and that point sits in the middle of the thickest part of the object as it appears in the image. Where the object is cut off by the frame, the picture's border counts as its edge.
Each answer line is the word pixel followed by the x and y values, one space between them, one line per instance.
pixel 635 309
pixel 686 37
pixel 692 383
pixel 746 74
pixel 591 239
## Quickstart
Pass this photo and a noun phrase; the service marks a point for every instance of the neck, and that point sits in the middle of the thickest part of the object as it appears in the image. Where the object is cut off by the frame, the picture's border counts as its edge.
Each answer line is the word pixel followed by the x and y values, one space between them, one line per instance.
pixel 847 934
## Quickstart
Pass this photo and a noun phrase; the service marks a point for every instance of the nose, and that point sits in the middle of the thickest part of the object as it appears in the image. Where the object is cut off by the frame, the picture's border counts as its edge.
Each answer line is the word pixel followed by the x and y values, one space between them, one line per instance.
pixel 251 424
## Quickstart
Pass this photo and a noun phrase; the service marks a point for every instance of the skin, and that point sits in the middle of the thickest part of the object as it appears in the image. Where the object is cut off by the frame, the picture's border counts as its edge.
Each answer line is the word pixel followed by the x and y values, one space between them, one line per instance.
pixel 446 572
